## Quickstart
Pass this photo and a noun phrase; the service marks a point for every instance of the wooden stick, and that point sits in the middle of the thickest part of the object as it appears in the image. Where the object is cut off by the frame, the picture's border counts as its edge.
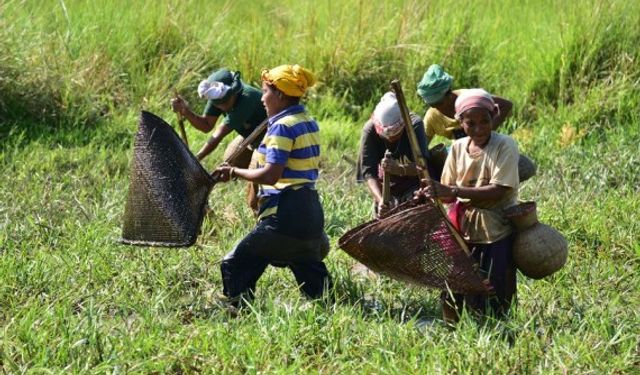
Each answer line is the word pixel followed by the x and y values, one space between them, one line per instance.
pixel 419 160
pixel 386 184
pixel 183 132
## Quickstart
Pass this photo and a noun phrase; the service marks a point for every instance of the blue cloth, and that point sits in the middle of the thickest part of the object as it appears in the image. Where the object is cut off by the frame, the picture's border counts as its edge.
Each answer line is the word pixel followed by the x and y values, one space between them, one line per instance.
pixel 292 140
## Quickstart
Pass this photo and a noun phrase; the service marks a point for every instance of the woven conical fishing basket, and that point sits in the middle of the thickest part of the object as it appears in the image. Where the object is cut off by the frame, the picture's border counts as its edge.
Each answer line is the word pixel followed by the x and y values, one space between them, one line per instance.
pixel 168 188
pixel 413 243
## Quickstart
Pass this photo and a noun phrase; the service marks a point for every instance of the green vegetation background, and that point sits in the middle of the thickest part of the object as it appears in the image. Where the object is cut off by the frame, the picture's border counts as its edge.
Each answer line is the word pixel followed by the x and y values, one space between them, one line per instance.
pixel 74 75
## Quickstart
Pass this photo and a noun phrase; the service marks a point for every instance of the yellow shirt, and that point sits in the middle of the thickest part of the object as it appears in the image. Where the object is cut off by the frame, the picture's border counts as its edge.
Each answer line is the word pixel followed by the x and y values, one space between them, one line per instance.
pixel 497 163
pixel 437 123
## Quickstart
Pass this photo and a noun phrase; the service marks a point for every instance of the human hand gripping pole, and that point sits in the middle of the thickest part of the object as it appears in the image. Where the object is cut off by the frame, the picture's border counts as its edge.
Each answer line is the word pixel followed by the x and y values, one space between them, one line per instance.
pixel 217 174
pixel 421 163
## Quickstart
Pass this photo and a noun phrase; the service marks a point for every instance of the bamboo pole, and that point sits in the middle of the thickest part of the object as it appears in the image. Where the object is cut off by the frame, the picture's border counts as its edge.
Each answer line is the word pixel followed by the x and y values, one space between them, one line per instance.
pixel 386 184
pixel 421 163
pixel 183 132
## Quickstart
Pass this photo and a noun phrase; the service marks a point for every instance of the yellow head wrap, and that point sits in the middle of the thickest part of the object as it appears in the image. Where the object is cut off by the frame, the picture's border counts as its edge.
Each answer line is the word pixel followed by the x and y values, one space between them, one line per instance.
pixel 293 80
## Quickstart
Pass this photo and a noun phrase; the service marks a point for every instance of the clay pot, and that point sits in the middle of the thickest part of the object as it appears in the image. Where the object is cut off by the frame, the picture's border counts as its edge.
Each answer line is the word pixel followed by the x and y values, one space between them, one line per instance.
pixel 538 249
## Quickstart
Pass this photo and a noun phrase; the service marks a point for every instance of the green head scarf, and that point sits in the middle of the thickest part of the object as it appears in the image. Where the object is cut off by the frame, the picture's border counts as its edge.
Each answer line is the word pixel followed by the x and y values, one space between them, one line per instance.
pixel 434 84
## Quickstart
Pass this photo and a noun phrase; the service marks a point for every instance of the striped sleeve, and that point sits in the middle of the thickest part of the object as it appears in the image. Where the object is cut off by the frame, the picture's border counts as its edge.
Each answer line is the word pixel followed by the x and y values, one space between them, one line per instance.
pixel 278 142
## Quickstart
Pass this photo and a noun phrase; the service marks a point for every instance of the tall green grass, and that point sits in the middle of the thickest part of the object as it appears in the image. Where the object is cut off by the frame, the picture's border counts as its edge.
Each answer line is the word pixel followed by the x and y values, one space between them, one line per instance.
pixel 74 74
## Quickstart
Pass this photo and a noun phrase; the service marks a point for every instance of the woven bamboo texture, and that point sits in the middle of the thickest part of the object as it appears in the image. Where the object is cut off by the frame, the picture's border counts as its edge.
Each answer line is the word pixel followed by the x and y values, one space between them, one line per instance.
pixel 243 159
pixel 168 188
pixel 413 243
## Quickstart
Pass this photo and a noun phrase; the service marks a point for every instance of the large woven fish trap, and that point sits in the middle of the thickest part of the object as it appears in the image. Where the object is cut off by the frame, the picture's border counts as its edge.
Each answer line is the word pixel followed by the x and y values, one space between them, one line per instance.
pixel 413 243
pixel 168 188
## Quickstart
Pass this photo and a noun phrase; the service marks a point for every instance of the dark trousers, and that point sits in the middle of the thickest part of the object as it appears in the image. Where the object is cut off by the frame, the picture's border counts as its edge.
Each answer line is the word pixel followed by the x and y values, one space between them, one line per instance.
pixel 496 264
pixel 244 265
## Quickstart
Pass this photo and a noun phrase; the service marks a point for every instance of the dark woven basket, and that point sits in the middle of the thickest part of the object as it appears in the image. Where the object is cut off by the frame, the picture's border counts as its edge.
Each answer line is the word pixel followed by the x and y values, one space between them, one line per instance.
pixel 526 168
pixel 413 243
pixel 522 215
pixel 168 188
pixel 243 159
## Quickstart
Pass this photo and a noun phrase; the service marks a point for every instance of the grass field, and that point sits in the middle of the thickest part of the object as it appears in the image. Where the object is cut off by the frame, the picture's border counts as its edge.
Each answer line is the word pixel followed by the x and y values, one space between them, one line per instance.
pixel 74 75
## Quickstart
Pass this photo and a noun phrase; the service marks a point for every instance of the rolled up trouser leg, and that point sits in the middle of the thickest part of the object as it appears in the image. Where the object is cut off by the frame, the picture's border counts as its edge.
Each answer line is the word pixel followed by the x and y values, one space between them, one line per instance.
pixel 325 246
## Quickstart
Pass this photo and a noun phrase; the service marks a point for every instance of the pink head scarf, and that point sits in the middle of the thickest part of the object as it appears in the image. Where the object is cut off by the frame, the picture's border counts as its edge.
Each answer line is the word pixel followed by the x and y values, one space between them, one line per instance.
pixel 475 98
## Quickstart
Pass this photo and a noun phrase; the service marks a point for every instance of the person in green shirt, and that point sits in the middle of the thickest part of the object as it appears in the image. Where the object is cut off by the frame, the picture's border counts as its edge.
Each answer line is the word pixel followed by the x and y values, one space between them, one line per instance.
pixel 227 95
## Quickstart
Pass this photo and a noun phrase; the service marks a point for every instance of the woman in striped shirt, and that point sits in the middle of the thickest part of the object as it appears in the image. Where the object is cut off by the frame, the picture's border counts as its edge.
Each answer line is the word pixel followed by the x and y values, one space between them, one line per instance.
pixel 290 228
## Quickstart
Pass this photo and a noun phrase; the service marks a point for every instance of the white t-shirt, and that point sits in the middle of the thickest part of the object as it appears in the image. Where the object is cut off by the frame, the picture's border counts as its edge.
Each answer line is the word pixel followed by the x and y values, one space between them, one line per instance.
pixel 483 221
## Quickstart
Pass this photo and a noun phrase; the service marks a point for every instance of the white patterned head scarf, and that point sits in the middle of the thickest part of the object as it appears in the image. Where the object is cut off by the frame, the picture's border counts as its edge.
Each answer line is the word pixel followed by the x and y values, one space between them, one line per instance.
pixel 387 118
pixel 212 90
